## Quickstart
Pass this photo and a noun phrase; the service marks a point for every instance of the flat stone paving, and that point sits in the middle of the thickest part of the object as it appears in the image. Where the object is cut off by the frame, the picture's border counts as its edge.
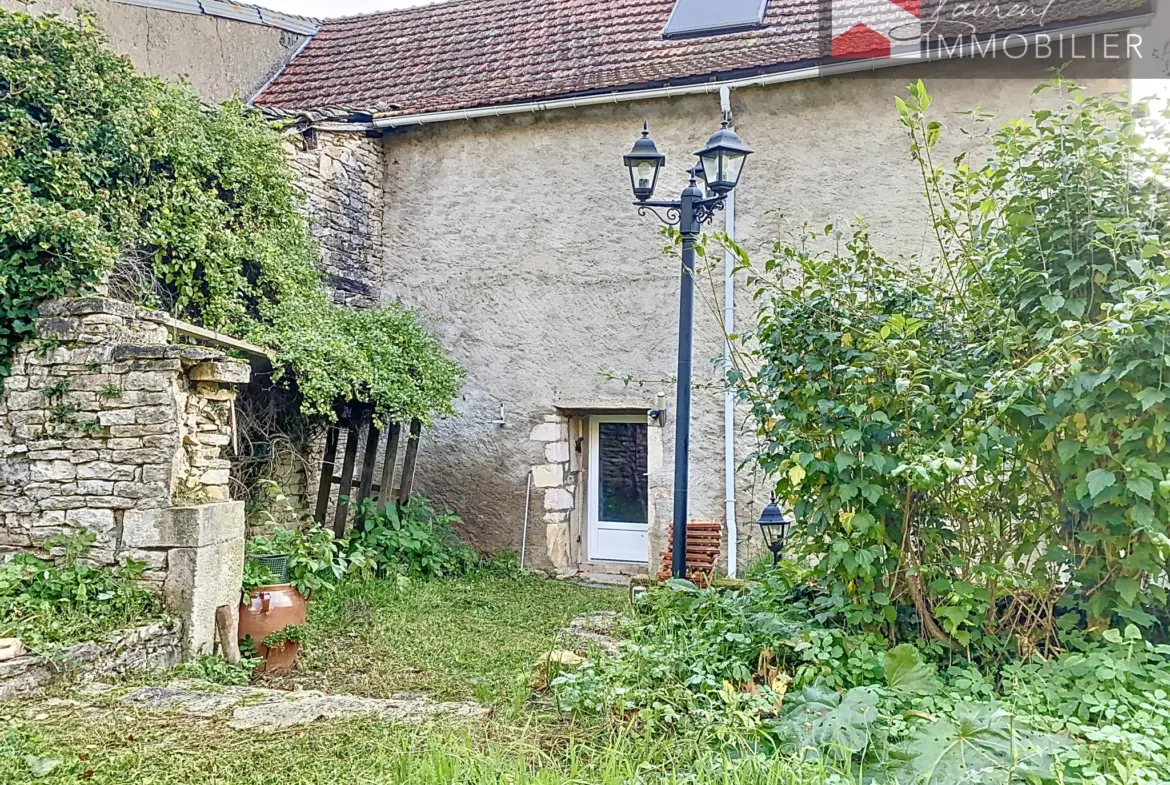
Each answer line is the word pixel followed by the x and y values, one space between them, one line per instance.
pixel 266 710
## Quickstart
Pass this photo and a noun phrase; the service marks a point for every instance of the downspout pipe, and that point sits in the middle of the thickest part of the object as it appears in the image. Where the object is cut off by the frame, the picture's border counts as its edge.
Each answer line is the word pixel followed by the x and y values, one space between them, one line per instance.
pixel 794 75
pixel 728 394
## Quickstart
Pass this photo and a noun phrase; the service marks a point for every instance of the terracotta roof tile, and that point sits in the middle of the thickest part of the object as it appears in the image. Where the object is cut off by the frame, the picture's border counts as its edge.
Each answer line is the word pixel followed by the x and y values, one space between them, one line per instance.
pixel 471 53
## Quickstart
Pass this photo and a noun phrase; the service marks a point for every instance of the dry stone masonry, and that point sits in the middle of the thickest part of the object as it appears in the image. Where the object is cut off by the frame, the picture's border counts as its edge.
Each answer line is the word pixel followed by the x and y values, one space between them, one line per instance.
pixel 341 175
pixel 556 484
pixel 101 415
pixel 108 428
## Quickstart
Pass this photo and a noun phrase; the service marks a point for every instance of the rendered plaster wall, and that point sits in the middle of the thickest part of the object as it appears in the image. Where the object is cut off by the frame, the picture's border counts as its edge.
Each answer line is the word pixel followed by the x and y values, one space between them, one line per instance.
pixel 219 57
pixel 518 242
pixel 341 175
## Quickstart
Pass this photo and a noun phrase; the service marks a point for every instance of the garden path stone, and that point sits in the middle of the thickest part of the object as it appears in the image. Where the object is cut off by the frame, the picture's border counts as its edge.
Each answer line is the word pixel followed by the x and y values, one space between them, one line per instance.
pixel 267 710
pixel 593 630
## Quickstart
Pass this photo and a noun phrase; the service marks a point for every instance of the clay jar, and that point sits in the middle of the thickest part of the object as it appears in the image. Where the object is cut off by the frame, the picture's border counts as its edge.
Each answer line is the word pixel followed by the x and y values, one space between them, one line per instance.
pixel 271 609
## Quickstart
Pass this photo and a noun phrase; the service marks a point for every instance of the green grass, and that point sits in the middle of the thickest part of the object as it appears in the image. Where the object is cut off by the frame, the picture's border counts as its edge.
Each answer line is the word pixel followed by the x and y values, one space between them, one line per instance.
pixel 122 746
pixel 475 638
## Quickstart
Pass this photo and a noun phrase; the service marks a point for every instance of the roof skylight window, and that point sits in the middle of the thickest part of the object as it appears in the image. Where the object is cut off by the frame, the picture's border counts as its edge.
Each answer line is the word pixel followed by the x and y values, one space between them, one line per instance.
pixel 692 18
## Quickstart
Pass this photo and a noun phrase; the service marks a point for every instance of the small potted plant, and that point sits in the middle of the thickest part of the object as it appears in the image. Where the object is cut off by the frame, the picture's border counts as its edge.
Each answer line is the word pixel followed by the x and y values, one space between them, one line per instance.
pixel 279 649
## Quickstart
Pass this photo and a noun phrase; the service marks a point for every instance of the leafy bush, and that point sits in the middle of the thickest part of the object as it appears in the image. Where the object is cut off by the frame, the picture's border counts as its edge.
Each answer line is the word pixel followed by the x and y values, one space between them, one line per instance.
pixel 217 670
pixel 206 223
pixel 977 447
pixel 293 633
pixel 47 603
pixel 732 666
pixel 412 539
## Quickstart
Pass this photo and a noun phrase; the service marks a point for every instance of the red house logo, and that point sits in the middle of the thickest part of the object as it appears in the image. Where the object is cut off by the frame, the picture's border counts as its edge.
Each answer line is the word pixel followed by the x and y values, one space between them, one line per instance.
pixel 865 29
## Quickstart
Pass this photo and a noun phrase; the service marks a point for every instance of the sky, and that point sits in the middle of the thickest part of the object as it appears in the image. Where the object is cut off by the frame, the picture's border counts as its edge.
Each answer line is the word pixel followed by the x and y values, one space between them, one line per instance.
pixel 323 9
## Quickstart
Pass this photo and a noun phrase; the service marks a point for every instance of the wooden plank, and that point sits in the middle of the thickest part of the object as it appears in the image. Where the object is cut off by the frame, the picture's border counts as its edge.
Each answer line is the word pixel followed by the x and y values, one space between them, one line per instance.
pixel 369 456
pixel 408 462
pixel 386 486
pixel 211 336
pixel 328 462
pixel 352 438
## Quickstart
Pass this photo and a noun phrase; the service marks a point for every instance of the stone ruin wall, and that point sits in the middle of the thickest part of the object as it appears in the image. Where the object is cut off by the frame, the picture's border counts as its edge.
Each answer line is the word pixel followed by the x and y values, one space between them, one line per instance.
pixel 341 175
pixel 102 418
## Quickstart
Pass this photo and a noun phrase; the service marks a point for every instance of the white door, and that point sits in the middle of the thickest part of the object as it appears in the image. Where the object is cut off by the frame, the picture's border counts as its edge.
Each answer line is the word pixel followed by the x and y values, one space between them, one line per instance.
pixel 619 509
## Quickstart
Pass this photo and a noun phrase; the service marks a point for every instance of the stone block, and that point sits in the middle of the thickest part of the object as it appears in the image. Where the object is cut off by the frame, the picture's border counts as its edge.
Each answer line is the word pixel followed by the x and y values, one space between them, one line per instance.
pixel 549 432
pixel 141 490
pixel 154 415
pixel 116 417
pixel 104 470
pixel 216 477
pixel 183 527
pixel 558 499
pixel 96 521
pixel 52 471
pixel 150 382
pixel 556 537
pixel 207 575
pixel 556 452
pixel 549 475
pixel 223 371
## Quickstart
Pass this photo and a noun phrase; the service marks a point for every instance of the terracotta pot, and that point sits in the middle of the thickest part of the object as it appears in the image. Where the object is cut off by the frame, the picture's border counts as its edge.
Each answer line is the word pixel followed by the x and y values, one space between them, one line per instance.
pixel 271 609
pixel 280 661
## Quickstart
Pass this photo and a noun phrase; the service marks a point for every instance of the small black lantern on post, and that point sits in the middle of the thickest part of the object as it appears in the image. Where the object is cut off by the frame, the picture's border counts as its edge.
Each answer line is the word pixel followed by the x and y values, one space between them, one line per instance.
pixel 775 528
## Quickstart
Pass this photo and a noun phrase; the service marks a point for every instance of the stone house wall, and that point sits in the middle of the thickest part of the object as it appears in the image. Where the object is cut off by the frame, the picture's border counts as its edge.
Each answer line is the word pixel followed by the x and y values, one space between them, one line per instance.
pixel 341 175
pixel 219 57
pixel 537 280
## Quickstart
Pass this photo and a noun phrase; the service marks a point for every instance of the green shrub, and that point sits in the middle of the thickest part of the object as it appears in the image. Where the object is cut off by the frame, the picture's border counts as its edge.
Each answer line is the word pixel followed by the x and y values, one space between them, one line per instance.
pixel 975 446
pixel 412 539
pixel 216 670
pixel 47 603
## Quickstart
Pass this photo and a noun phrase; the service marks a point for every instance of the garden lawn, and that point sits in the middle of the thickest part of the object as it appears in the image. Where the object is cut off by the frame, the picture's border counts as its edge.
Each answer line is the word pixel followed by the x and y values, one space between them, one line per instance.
pixel 113 745
pixel 475 638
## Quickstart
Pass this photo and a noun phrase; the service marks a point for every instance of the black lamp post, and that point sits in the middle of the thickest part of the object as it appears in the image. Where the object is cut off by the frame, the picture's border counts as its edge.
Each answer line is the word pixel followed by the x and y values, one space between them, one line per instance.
pixel 775 528
pixel 720 164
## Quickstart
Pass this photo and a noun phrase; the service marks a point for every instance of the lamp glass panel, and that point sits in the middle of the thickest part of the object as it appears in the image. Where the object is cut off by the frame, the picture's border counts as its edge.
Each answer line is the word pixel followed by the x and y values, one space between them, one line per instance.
pixel 733 166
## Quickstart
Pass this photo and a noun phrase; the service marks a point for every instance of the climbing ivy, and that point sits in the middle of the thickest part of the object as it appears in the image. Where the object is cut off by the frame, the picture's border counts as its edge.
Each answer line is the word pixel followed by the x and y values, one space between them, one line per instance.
pixel 189 208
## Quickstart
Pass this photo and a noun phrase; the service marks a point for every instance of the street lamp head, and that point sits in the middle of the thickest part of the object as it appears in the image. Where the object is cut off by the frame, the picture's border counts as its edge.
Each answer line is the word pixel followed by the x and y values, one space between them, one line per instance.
pixel 775 528
pixel 723 159
pixel 644 163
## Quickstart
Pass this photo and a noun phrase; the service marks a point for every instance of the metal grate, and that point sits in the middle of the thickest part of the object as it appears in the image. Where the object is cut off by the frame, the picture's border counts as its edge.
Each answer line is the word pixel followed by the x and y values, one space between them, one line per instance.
pixel 277 565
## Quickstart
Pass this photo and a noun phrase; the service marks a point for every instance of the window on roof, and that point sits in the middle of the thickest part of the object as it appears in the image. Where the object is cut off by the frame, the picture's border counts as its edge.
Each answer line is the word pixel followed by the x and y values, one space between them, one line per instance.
pixel 709 17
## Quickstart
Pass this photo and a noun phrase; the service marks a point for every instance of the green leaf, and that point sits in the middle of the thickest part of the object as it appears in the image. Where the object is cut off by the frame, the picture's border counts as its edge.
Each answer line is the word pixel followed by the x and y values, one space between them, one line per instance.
pixel 1127 588
pixel 1150 397
pixel 1067 449
pixel 1098 480
pixel 41 767
pixel 1142 486
pixel 981 744
pixel 907 673
pixel 1052 302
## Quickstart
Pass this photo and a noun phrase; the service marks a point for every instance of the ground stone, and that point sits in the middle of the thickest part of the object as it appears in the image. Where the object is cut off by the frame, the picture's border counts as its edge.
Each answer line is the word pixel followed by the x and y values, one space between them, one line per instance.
pixel 593 630
pixel 266 710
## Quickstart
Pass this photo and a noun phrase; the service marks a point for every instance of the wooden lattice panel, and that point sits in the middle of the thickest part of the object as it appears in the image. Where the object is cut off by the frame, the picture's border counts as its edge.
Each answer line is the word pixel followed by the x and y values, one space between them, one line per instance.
pixel 704 542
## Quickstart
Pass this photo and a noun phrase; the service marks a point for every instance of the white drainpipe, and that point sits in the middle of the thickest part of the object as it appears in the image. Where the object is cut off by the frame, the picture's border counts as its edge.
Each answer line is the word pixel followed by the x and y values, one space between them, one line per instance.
pixel 729 395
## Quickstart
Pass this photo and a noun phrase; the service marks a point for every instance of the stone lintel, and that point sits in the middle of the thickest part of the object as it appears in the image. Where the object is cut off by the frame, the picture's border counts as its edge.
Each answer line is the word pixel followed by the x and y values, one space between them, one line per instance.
pixel 223 371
